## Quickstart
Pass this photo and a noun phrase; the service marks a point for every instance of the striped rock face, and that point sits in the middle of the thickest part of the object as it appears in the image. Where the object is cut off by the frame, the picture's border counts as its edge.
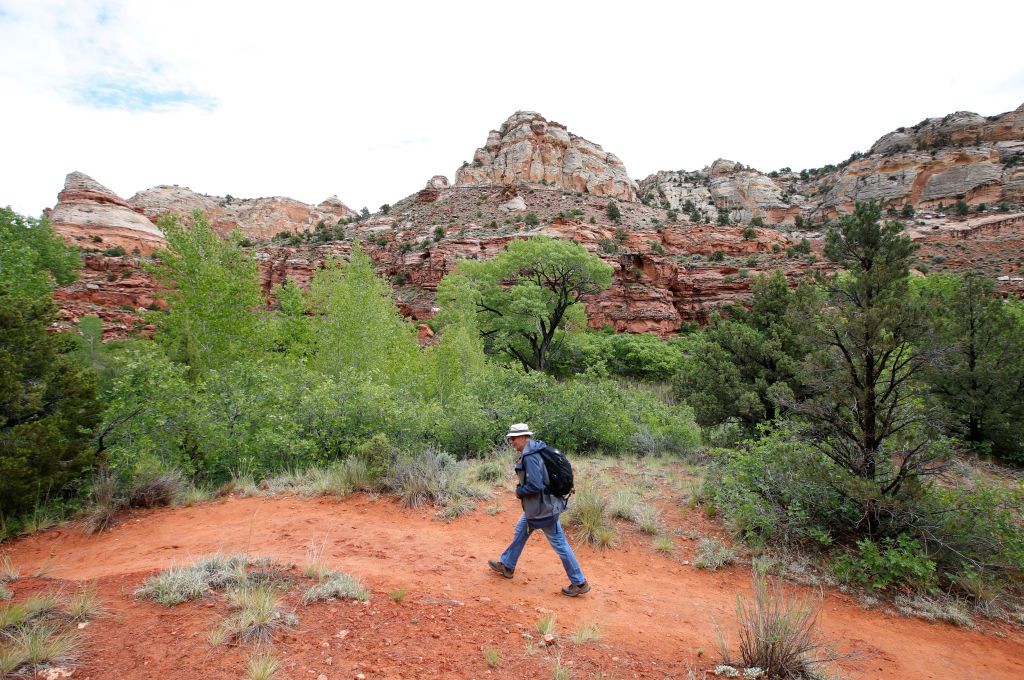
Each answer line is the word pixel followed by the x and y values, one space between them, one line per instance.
pixel 529 150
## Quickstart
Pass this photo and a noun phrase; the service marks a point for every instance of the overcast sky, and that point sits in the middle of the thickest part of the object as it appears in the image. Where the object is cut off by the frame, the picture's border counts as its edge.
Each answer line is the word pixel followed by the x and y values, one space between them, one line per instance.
pixel 368 100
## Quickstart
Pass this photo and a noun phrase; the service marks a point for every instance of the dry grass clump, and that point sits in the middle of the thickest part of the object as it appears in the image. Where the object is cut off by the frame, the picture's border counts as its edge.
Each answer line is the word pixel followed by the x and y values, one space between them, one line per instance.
pixel 337 585
pixel 588 514
pixel 19 615
pixel 155 490
pixel 398 594
pixel 586 632
pixel 84 605
pixel 340 479
pixel 546 624
pixel 664 545
pixel 949 610
pixel 5 592
pixel 492 656
pixel 623 503
pixel 316 567
pixel 262 666
pixel 778 634
pixel 259 612
pixel 648 519
pixel 8 572
pixel 712 554
pixel 180 584
pixel 433 476
pixel 34 647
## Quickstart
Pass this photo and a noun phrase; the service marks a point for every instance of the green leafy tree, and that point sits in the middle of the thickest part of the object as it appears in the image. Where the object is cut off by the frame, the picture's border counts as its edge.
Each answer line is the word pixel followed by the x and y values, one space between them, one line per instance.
pixel 32 257
pixel 213 291
pixel 357 324
pixel 864 407
pixel 531 294
pixel 980 379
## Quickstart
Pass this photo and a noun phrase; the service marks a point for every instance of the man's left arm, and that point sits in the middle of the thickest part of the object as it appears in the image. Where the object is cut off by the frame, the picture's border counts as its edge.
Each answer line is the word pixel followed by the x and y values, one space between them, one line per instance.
pixel 534 483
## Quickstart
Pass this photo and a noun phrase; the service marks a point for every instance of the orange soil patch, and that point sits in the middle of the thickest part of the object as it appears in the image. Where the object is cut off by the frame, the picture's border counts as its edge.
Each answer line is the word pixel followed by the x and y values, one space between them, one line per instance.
pixel 655 612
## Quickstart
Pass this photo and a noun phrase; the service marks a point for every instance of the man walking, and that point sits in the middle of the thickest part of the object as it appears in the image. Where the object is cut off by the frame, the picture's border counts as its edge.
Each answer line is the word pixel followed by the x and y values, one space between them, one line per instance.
pixel 540 511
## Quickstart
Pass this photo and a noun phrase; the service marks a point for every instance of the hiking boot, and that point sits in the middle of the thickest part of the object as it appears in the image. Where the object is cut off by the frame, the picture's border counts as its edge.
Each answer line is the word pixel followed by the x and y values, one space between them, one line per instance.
pixel 572 590
pixel 501 568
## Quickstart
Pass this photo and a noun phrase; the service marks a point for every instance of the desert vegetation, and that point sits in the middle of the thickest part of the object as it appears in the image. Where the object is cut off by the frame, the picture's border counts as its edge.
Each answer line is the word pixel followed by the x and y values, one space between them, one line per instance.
pixel 866 422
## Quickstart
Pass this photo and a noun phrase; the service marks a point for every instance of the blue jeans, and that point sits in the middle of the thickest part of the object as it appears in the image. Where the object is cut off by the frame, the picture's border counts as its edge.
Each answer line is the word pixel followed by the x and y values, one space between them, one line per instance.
pixel 556 537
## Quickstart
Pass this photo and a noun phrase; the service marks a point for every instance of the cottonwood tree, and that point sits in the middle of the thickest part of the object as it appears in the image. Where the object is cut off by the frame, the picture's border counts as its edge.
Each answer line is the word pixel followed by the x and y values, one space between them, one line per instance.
pixel 531 294
pixel 212 288
pixel 864 409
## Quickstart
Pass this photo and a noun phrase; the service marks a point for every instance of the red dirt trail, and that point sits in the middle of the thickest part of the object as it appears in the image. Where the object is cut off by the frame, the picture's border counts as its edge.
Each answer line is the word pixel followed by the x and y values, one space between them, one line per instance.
pixel 655 612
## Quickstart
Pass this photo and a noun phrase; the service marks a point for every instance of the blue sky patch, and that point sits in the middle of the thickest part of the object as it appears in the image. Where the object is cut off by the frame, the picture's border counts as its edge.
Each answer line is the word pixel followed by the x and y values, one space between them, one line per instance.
pixel 126 95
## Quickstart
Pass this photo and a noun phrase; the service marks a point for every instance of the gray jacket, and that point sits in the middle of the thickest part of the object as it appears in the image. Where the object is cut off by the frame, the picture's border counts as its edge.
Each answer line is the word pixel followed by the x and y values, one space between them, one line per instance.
pixel 539 507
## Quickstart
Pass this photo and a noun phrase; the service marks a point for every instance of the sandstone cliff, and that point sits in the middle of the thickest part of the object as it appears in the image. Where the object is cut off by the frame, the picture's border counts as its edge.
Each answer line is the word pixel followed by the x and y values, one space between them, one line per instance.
pixel 673 263
pixel 726 186
pixel 256 218
pixel 92 216
pixel 528 149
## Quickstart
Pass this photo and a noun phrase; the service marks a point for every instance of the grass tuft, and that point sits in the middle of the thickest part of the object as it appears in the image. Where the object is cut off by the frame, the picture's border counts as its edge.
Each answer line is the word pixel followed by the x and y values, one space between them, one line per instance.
pixel 665 545
pixel 589 515
pixel 8 572
pixel 559 671
pixel 397 595
pixel 21 614
pixel 546 624
pixel 84 605
pixel 261 666
pixel 712 554
pixel 779 634
pixel 586 632
pixel 36 646
pixel 648 519
pixel 337 585
pixel 492 656
pixel 259 613
pixel 181 584
pixel 316 567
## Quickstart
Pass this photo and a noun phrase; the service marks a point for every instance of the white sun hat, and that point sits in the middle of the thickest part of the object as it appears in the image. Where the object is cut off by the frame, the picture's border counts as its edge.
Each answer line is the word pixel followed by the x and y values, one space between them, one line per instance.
pixel 518 430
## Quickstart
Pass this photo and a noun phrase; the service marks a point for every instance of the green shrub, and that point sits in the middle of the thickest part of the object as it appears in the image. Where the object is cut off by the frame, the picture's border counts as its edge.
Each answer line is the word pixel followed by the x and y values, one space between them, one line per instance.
pixel 890 562
pixel 613 212
pixel 531 219
pixel 376 453
pixel 490 472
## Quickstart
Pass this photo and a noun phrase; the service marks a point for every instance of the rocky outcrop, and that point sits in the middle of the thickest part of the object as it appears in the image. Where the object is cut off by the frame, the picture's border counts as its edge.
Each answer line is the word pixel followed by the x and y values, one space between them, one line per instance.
pixel 963 156
pixel 92 216
pixel 255 218
pixel 531 150
pixel 741 192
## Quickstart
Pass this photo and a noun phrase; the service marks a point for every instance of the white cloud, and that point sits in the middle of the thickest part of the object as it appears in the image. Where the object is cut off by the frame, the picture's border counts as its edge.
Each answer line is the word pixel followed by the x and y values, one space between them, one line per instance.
pixel 367 101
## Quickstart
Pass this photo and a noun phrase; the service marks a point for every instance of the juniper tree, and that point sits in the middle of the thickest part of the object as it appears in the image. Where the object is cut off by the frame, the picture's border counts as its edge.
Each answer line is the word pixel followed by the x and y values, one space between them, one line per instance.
pixel 864 410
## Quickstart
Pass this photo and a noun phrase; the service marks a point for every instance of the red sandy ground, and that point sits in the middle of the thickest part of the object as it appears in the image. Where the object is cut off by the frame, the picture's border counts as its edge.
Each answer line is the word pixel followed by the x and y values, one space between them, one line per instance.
pixel 655 612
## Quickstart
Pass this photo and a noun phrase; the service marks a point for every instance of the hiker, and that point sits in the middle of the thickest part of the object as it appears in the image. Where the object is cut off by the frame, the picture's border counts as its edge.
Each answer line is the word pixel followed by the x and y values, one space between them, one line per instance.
pixel 540 511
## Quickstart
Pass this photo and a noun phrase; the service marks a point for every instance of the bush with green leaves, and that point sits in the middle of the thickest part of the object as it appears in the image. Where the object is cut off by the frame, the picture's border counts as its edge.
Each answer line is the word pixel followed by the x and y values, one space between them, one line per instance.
pixel 900 561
